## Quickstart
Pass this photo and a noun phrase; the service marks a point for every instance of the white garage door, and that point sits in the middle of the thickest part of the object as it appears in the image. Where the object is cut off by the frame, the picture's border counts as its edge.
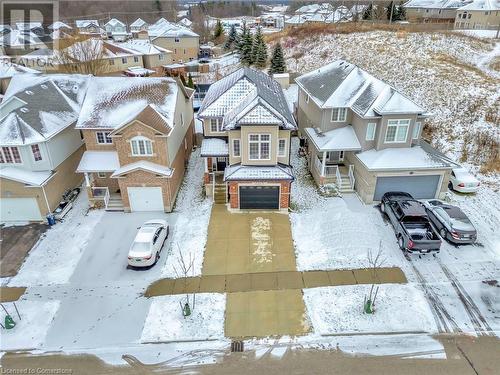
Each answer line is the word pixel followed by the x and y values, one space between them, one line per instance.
pixel 19 209
pixel 145 198
pixel 420 187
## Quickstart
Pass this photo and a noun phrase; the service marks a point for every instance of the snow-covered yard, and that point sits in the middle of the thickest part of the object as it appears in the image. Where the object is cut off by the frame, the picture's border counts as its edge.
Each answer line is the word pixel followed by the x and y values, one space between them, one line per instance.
pixel 190 232
pixel 165 321
pixel 399 308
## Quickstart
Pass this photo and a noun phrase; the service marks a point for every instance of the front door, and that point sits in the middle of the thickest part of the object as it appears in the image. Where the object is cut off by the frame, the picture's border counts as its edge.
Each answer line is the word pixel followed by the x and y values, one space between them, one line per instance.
pixel 221 164
pixel 335 156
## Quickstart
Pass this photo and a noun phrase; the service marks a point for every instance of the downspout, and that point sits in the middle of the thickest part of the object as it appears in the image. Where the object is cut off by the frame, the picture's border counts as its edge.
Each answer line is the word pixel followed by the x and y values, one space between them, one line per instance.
pixel 46 200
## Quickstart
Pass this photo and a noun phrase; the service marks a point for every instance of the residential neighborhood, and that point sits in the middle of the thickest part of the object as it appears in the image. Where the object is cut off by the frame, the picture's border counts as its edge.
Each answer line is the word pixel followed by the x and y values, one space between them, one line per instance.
pixel 219 187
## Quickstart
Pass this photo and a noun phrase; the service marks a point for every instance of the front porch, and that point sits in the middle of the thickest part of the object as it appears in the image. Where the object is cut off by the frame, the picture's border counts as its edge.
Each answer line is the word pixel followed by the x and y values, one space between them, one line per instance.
pixel 326 171
pixel 215 154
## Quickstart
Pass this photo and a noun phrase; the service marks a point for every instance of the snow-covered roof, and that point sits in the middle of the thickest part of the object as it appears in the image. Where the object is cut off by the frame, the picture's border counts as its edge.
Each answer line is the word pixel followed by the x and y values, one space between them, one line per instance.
pixel 186 22
pixel 114 101
pixel 143 46
pixel 214 147
pixel 482 5
pixel 238 172
pixel 342 84
pixel 113 22
pixel 145 166
pixel 59 25
pixel 139 71
pixel 20 39
pixel 436 4
pixel 402 158
pixel 247 96
pixel 138 23
pixel 25 176
pixel 341 139
pixel 164 28
pixel 98 161
pixel 8 69
pixel 28 25
pixel 86 23
pixel 37 107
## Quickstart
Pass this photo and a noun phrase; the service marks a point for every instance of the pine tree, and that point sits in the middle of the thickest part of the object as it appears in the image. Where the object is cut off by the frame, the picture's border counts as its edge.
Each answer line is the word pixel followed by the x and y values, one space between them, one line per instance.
pixel 259 50
pixel 219 30
pixel 246 55
pixel 367 14
pixel 401 12
pixel 240 40
pixel 278 64
pixel 390 11
pixel 190 82
pixel 231 38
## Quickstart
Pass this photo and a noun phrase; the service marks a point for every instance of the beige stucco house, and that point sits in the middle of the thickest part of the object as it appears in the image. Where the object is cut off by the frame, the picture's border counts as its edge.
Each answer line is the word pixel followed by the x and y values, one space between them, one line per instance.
pixel 364 135
pixel 39 146
pixel 183 42
pixel 433 11
pixel 480 14
pixel 138 134
pixel 153 57
pixel 247 127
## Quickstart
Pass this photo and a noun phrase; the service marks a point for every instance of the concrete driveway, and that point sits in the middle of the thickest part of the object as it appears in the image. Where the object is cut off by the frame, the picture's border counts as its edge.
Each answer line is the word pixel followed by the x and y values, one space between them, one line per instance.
pixel 101 305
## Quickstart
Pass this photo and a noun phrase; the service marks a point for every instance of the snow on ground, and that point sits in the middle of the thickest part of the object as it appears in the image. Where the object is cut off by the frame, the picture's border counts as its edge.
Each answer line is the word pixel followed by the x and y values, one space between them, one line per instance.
pixel 399 308
pixel 165 321
pixel 30 331
pixel 487 34
pixel 54 258
pixel 190 232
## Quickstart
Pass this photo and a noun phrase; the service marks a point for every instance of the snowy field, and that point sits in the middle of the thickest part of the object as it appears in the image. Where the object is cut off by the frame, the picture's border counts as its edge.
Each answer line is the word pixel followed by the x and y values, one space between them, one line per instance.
pixel 399 308
pixel 166 323
pixel 191 229
pixel 54 258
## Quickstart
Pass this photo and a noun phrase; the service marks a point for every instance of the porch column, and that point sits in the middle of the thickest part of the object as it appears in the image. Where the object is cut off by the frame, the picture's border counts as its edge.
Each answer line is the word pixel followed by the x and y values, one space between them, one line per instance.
pixel 206 165
pixel 323 162
pixel 87 179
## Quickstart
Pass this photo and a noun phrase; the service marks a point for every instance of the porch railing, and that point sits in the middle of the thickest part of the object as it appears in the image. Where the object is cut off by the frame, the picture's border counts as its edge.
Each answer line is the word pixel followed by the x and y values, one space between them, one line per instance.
pixel 352 180
pixel 330 170
pixel 101 193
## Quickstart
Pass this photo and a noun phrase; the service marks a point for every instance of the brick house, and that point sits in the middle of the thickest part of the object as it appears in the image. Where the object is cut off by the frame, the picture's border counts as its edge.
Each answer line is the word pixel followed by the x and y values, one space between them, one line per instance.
pixel 139 134
pixel 247 127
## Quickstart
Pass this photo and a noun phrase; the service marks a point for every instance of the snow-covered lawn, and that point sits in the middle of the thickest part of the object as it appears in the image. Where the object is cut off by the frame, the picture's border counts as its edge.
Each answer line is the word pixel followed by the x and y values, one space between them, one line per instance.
pixel 165 321
pixel 399 308
pixel 54 258
pixel 30 331
pixel 190 232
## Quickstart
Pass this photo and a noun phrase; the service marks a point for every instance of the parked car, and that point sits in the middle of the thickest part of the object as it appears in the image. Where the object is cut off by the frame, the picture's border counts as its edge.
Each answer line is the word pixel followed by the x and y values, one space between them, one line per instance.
pixel 408 216
pixel 463 181
pixel 451 222
pixel 148 243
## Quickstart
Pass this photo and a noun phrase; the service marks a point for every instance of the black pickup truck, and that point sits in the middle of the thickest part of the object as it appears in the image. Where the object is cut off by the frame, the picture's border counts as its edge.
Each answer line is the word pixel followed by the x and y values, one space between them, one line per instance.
pixel 414 232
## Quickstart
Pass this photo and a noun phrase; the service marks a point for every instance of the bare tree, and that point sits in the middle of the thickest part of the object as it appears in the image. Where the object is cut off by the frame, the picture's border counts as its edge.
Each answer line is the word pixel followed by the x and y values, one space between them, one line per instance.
pixel 184 272
pixel 375 261
pixel 84 55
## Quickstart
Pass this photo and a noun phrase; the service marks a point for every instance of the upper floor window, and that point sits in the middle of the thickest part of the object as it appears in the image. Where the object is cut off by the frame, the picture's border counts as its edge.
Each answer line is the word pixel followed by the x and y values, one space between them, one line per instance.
pixel 182 119
pixel 10 155
pixel 236 148
pixel 136 59
pixel 307 98
pixel 282 147
pixel 339 114
pixel 397 131
pixel 177 40
pixel 161 56
pixel 141 146
pixel 111 62
pixel 215 125
pixel 259 146
pixel 370 131
pixel 124 60
pixel 416 130
pixel 37 155
pixel 103 138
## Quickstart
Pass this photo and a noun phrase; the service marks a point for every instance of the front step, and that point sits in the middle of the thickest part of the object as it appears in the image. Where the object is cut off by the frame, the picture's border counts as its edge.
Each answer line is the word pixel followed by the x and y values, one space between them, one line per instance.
pixel 115 205
pixel 220 194
pixel 345 184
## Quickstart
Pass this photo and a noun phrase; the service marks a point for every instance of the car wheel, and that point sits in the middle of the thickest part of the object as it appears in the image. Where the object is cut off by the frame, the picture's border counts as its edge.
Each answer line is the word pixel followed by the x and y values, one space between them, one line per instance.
pixel 382 207
pixel 157 257
pixel 442 232
pixel 450 185
pixel 401 243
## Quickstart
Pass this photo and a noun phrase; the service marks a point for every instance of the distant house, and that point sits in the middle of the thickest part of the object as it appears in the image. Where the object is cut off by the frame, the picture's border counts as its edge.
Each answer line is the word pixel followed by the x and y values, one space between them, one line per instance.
pixel 433 11
pixel 138 134
pixel 480 14
pixel 138 25
pixel 186 22
pixel 32 27
pixel 39 146
pixel 363 134
pixel 116 30
pixel 88 27
pixel 153 57
pixel 183 43
pixel 60 30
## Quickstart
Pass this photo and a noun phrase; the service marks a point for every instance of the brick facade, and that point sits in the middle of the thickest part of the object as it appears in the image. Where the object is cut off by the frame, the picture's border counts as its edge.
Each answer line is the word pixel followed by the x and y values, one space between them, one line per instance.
pixel 285 186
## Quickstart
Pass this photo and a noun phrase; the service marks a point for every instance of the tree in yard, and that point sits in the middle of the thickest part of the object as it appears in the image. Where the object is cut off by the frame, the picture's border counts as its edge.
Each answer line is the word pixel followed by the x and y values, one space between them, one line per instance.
pixel 367 14
pixel 184 272
pixel 231 39
pixel 278 64
pixel 246 56
pixel 84 56
pixel 401 12
pixel 259 50
pixel 375 261
pixel 190 82
pixel 240 39
pixel 219 31
pixel 390 11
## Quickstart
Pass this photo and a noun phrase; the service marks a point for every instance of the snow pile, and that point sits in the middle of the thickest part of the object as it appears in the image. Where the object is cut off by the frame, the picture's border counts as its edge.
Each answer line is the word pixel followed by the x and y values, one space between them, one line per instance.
pixel 399 308
pixel 165 321
pixel 291 95
pixel 30 331
pixel 190 232
pixel 54 258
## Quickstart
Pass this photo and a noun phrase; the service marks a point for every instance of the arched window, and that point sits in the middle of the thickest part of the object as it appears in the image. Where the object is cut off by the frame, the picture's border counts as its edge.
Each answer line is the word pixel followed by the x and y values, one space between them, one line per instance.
pixel 141 146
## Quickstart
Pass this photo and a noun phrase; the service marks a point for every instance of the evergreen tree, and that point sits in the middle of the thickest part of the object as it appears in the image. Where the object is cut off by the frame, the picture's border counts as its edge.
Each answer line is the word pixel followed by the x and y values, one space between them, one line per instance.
pixel 367 14
pixel 278 64
pixel 219 30
pixel 259 50
pixel 240 40
pixel 231 39
pixel 390 11
pixel 401 12
pixel 190 82
pixel 246 55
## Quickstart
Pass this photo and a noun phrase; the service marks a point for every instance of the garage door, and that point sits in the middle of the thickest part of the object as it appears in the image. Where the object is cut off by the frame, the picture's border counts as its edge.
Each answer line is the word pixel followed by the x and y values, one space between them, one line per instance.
pixel 145 198
pixel 260 197
pixel 19 209
pixel 418 186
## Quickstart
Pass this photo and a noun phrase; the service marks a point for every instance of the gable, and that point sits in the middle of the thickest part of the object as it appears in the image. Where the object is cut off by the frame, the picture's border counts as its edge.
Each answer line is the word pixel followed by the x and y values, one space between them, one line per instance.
pixel 259 115
pixel 229 98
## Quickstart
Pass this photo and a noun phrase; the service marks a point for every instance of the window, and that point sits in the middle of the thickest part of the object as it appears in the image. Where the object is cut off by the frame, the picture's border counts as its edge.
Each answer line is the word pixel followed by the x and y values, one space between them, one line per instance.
pixel 307 98
pixel 215 125
pixel 101 174
pixel 161 56
pixel 397 131
pixel 259 146
pixel 111 62
pixel 282 147
pixel 370 131
pixel 177 40
pixel 36 152
pixel 416 130
pixel 136 59
pixel 339 114
pixel 184 51
pixel 236 148
pixel 10 155
pixel 124 60
pixel 182 119
pixel 103 138
pixel 141 146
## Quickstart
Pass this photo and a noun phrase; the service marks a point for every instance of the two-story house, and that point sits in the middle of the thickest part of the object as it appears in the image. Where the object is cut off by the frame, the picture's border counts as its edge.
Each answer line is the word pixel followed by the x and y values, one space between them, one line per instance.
pixel 184 43
pixel 247 126
pixel 88 27
pixel 39 146
pixel 364 135
pixel 138 133
pixel 479 14
pixel 116 30
pixel 153 57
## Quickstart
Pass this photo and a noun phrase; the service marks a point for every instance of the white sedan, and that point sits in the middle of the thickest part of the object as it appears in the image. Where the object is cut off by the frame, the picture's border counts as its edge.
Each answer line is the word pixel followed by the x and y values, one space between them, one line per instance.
pixel 148 242
pixel 463 181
